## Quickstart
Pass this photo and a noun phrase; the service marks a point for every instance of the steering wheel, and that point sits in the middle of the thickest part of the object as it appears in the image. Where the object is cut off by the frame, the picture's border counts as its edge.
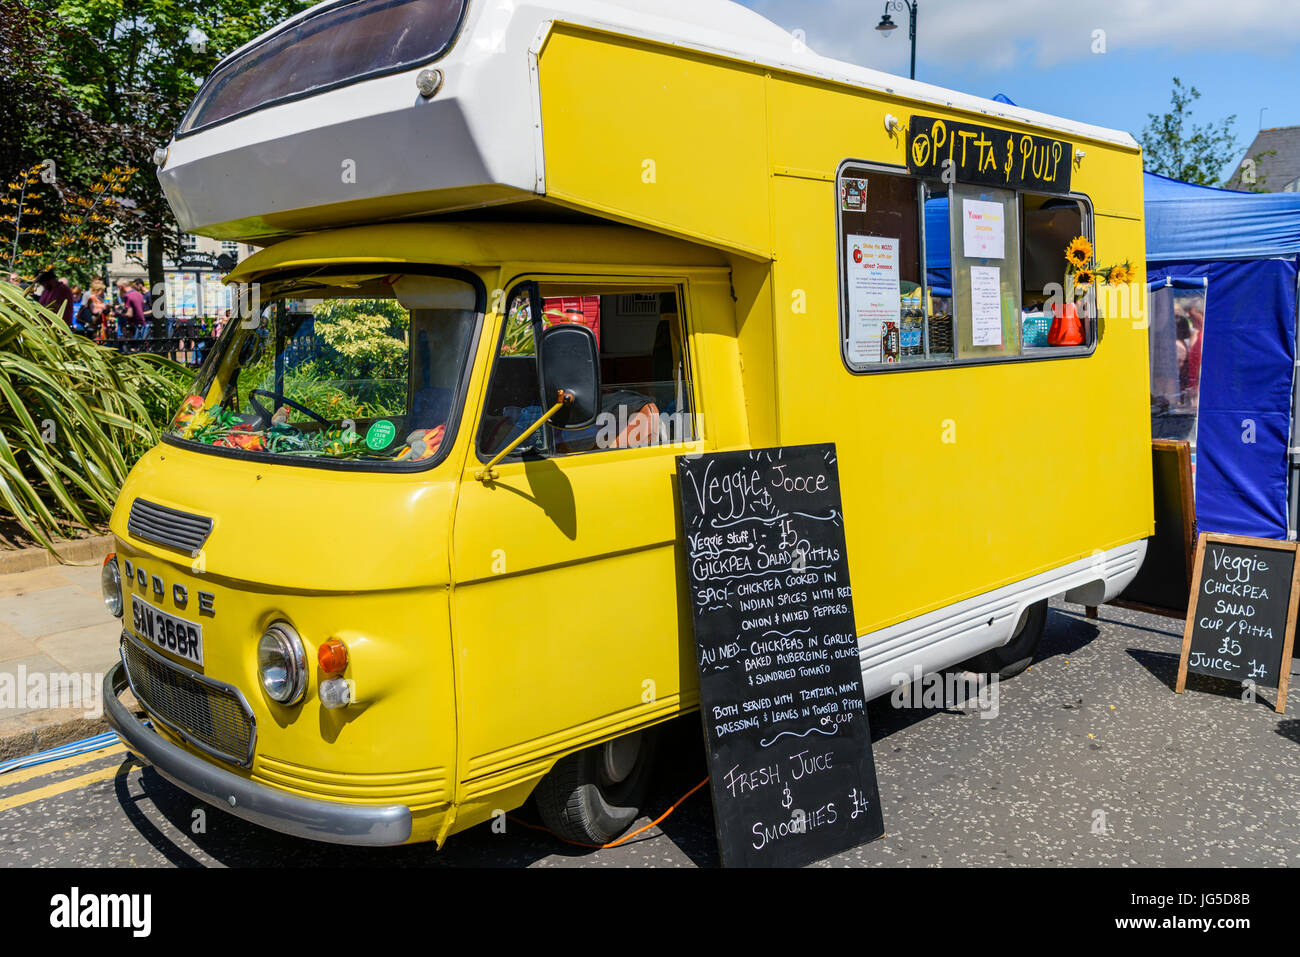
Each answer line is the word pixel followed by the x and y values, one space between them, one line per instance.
pixel 261 410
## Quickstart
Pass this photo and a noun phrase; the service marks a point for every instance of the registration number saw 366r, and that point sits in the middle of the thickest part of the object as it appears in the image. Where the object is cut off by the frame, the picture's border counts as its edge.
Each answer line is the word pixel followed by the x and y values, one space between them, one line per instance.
pixel 180 637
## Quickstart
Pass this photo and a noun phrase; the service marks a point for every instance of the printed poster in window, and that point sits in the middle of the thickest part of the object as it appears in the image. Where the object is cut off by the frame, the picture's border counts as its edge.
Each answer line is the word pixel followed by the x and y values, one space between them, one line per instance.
pixel 189 295
pixel 983 230
pixel 986 305
pixel 175 291
pixel 214 295
pixel 874 305
pixel 853 194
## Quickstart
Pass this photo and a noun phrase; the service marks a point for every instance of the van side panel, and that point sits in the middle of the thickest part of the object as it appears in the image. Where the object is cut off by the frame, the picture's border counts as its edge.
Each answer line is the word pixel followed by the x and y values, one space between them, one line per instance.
pixel 956 481
pixel 639 147
pixel 755 338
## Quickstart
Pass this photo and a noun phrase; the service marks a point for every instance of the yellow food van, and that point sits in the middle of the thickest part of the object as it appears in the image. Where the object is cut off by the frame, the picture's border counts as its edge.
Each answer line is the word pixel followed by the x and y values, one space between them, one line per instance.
pixel 410 552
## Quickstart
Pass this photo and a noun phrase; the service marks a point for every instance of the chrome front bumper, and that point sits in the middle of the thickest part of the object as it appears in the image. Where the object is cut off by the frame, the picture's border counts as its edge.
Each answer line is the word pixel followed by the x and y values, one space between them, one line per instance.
pixel 335 823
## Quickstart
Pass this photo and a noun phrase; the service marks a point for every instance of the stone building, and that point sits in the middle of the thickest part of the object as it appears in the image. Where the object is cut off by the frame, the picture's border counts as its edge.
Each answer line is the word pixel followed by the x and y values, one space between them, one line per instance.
pixel 193 283
pixel 1271 164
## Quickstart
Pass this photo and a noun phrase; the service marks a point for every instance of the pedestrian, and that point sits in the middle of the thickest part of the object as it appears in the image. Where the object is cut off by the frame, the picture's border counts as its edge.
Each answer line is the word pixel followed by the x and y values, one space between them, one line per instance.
pixel 1196 320
pixel 94 315
pixel 147 298
pixel 55 295
pixel 85 296
pixel 132 310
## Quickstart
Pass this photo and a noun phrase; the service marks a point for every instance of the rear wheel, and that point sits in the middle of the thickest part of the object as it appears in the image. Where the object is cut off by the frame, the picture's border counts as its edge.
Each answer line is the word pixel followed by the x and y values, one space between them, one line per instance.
pixel 593 796
pixel 1018 653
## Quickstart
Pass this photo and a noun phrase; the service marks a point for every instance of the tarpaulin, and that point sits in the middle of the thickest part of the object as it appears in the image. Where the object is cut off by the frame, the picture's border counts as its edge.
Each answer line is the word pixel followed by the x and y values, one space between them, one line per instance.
pixel 1244 420
pixel 1188 222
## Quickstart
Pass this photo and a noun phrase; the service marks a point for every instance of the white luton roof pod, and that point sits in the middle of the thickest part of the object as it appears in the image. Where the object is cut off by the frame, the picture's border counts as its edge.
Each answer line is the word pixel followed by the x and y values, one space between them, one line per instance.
pixel 321 122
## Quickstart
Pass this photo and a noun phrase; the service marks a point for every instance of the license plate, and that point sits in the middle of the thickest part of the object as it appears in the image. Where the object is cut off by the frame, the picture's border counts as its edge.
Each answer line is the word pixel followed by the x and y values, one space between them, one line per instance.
pixel 182 638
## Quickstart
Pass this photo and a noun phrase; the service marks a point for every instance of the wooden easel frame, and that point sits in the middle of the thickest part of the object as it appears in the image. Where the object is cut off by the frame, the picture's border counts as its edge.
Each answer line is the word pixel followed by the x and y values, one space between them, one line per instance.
pixel 1288 636
pixel 1183 451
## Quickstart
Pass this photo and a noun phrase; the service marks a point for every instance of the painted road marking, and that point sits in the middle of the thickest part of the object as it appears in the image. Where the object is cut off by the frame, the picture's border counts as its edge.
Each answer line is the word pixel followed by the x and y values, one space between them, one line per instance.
pixel 40 770
pixel 62 787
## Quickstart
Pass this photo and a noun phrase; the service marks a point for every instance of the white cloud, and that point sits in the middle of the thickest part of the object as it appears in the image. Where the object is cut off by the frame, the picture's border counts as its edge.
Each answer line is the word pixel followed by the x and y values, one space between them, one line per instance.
pixel 1000 34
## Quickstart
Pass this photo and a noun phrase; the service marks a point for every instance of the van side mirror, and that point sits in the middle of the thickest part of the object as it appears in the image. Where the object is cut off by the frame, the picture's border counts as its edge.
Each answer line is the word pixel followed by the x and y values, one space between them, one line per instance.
pixel 570 373
pixel 571 369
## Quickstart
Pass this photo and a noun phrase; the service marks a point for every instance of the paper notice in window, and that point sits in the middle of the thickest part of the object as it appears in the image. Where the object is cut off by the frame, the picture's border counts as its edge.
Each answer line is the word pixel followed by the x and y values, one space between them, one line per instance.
pixel 872 271
pixel 986 305
pixel 983 230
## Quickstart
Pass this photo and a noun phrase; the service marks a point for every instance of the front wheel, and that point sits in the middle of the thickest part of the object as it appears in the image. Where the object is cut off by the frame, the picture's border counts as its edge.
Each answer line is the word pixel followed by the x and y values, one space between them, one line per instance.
pixel 594 795
pixel 1018 653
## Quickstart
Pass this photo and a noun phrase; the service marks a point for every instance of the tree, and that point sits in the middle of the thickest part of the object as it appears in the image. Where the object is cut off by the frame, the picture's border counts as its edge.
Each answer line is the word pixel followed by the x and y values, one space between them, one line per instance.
pixel 1247 176
pixel 97 85
pixel 1175 146
pixel 54 198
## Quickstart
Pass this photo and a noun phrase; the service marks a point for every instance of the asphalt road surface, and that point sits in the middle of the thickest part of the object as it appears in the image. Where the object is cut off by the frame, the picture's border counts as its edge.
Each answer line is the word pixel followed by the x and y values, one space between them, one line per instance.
pixel 1091 760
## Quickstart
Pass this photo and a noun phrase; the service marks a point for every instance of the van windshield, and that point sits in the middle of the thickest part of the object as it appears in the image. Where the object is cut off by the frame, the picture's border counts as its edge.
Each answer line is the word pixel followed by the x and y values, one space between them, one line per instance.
pixel 354 369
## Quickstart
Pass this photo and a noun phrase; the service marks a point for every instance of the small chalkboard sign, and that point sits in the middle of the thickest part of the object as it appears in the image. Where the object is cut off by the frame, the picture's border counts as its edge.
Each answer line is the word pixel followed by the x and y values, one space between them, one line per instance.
pixel 790 761
pixel 1241 619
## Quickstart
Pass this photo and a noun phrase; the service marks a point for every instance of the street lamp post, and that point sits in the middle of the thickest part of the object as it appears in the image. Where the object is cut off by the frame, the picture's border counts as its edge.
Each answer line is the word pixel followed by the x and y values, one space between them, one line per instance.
pixel 888 26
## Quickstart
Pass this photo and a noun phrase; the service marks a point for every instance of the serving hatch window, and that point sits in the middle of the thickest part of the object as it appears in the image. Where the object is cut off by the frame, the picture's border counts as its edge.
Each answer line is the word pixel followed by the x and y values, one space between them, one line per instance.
pixel 340 44
pixel 932 274
pixel 1050 223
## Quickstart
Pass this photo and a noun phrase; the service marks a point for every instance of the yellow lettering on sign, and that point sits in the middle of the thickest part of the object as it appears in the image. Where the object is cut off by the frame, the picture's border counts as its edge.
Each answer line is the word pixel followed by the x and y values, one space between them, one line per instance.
pixel 987 158
pixel 939 133
pixel 920 149
pixel 966 136
pixel 1026 152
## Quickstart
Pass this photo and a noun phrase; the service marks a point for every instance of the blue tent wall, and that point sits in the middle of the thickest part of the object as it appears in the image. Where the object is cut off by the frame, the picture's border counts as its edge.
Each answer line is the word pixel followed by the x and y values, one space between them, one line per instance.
pixel 1244 420
pixel 1245 245
pixel 938 252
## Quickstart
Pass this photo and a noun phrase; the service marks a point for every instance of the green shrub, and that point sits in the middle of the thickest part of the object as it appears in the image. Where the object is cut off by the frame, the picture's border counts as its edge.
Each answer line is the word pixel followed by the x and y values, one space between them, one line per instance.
pixel 363 338
pixel 74 417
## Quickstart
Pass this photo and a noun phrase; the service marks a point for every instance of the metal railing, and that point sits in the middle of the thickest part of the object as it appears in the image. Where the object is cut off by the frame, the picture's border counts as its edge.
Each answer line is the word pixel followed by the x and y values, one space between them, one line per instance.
pixel 186 342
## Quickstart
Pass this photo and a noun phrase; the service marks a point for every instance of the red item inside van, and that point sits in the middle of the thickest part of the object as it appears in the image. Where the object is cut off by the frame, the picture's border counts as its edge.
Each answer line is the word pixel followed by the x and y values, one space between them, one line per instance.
pixel 584 310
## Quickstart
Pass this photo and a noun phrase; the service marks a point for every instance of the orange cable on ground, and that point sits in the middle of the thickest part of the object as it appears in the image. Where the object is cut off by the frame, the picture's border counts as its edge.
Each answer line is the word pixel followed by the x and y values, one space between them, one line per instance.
pixel 625 837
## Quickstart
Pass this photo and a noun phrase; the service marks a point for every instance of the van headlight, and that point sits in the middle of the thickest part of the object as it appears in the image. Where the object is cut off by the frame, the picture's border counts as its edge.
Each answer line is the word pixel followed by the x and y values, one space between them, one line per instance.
pixel 110 583
pixel 282 663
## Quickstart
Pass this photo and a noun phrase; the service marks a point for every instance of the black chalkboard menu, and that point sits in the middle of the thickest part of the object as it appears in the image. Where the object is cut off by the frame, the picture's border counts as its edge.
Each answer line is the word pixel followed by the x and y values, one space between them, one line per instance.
pixel 785 722
pixel 1241 620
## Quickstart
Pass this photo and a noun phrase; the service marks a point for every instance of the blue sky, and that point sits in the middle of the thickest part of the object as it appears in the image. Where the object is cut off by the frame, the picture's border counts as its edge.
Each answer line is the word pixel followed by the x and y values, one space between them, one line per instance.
pixel 1242 55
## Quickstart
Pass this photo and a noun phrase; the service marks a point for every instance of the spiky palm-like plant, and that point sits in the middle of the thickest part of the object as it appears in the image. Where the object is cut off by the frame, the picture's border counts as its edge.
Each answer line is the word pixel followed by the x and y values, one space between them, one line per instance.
pixel 74 417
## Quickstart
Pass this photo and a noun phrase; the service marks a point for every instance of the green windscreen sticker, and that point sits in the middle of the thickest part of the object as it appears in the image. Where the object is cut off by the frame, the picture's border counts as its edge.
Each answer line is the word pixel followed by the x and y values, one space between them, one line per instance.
pixel 380 435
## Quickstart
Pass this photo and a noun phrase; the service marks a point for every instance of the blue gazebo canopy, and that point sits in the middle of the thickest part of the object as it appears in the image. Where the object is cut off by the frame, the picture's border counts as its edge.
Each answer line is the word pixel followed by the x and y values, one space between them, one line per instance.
pixel 1242 249
pixel 1189 222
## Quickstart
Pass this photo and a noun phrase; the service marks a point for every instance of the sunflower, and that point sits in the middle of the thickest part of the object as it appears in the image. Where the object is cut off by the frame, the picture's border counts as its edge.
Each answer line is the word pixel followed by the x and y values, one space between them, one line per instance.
pixel 1084 278
pixel 1123 273
pixel 1079 253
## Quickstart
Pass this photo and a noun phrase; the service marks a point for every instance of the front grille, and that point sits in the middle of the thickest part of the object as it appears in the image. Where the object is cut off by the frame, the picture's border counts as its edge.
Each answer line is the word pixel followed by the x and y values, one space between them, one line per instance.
pixel 208 714
pixel 167 526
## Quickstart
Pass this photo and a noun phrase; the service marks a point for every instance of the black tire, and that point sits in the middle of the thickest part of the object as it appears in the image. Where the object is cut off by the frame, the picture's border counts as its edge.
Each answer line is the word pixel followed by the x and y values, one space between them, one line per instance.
pixel 581 800
pixel 1018 653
